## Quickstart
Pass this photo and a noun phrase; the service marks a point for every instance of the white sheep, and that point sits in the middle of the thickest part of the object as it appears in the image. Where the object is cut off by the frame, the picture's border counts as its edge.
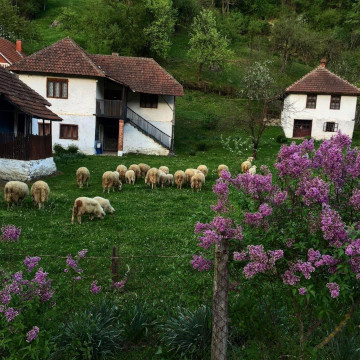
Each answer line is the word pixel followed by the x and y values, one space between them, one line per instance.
pixel 246 165
pixel 136 170
pixel 252 170
pixel 111 179
pixel 189 173
pixel 162 178
pixel 130 177
pixel 165 169
pixel 204 169
pixel 15 191
pixel 179 178
pixel 221 168
pixel 105 204
pixel 197 181
pixel 144 168
pixel 82 176
pixel 152 177
pixel 121 169
pixel 170 179
pixel 84 205
pixel 40 192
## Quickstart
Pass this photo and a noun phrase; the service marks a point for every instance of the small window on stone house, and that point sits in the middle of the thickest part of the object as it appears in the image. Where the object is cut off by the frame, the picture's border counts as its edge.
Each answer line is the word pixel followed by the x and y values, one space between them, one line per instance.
pixel 57 88
pixel 148 101
pixel 311 101
pixel 335 102
pixel 68 132
pixel 331 127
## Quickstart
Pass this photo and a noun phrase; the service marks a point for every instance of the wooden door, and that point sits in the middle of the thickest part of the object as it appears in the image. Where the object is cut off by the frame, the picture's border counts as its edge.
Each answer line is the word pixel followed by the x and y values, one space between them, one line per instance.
pixel 302 128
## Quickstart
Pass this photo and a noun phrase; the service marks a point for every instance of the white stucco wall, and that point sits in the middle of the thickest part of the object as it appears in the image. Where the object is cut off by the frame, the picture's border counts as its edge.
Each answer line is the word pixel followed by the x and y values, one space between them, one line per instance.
pixel 295 108
pixel 137 142
pixel 162 117
pixel 21 170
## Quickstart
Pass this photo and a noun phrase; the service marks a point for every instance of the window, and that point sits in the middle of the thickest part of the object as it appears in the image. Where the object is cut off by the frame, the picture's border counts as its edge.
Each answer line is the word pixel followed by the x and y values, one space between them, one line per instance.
pixel 335 102
pixel 44 129
pixel 331 127
pixel 311 101
pixel 68 132
pixel 57 88
pixel 148 101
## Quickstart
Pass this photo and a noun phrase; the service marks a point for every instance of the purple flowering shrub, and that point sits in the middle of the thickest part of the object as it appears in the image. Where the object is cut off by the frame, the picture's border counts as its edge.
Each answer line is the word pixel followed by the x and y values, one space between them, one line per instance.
pixel 298 228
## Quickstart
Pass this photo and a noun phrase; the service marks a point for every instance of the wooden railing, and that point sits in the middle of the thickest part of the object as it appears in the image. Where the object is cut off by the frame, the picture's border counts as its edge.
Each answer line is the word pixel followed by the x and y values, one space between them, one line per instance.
pixel 29 147
pixel 109 108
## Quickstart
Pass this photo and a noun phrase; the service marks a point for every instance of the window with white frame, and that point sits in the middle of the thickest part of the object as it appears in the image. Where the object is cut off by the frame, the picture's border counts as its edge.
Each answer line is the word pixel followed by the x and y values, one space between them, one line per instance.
pixel 331 126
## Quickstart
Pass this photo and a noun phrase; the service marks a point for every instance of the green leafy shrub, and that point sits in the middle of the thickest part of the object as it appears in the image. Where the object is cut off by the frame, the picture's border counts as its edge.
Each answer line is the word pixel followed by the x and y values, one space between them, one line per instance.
pixel 59 150
pixel 202 146
pixel 281 139
pixel 72 149
pixel 189 334
pixel 210 122
pixel 192 152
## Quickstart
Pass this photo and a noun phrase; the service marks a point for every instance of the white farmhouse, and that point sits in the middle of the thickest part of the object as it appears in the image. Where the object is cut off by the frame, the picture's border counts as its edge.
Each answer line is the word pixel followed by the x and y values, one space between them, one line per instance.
pixel 114 103
pixel 318 105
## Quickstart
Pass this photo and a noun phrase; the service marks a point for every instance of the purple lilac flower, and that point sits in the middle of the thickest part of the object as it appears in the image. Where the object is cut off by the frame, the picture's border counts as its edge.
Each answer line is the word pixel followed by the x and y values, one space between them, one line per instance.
pixel 279 197
pixel 94 288
pixel 200 263
pixel 257 219
pixel 225 175
pixel 82 253
pixel 332 226
pixel 77 278
pixel 5 296
pixel 240 256
pixel 40 277
pixel 290 242
pixel 303 291
pixel 10 233
pixel 257 186
pixel 200 227
pixel 355 199
pixel 313 190
pixel 313 255
pixel 210 237
pixel 289 277
pixel 11 314
pixel 119 284
pixel 334 289
pixel 32 334
pixel 31 262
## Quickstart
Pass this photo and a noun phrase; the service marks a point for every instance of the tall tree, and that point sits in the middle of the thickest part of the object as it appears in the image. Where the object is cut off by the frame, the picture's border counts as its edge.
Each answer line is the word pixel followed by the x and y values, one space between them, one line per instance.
pixel 207 46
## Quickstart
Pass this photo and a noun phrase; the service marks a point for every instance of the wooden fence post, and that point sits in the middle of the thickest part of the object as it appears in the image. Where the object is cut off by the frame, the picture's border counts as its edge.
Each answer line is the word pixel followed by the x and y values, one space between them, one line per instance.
pixel 220 301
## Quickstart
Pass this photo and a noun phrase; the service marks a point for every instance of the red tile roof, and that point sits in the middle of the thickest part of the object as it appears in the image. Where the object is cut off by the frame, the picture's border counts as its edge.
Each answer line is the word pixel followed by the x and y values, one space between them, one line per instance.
pixel 8 51
pixel 139 74
pixel 65 57
pixel 26 99
pixel 323 81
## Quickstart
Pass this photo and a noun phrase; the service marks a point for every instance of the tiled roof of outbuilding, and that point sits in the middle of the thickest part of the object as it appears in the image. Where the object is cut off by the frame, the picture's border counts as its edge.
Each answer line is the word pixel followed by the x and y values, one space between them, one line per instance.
pixel 323 81
pixel 9 52
pixel 26 99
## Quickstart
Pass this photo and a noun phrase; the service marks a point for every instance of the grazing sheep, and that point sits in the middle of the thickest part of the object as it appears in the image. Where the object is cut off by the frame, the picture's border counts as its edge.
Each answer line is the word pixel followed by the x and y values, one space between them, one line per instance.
pixel 84 205
pixel 152 177
pixel 111 179
pixel 189 173
pixel 15 191
pixel 105 204
pixel 252 170
pixel 170 179
pixel 82 176
pixel 165 169
pixel 40 192
pixel 136 170
pixel 246 165
pixel 162 178
pixel 130 177
pixel 197 181
pixel 121 169
pixel 179 178
pixel 221 168
pixel 144 168
pixel 203 169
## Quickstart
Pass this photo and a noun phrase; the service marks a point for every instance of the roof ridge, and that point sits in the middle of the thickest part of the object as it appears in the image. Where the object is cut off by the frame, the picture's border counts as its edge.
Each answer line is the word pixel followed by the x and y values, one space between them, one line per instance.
pixel 303 77
pixel 339 77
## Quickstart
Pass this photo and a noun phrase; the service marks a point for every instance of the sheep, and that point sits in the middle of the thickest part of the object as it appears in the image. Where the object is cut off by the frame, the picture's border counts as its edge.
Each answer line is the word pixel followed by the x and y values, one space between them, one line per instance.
pixel 152 177
pixel 121 169
pixel 197 181
pixel 84 205
pixel 105 204
pixel 203 169
pixel 189 173
pixel 179 178
pixel 130 177
pixel 15 191
pixel 252 170
pixel 82 176
pixel 165 169
pixel 245 166
pixel 144 168
pixel 162 178
pixel 170 179
pixel 221 168
pixel 136 170
pixel 40 192
pixel 111 179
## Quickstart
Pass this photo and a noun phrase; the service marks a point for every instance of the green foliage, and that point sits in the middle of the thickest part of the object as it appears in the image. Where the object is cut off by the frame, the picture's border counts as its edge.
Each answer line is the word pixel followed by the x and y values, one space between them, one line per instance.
pixel 187 10
pixel 189 334
pixel 210 122
pixel 281 139
pixel 207 46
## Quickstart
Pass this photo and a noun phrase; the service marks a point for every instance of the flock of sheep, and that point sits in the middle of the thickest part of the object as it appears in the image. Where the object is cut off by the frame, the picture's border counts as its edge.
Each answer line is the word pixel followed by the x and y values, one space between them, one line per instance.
pixel 16 191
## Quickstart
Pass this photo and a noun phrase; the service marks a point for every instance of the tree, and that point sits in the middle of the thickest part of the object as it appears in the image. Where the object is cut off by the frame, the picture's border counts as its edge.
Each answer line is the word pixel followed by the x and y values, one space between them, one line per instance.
pixel 207 46
pixel 158 33
pixel 260 92
pixel 254 29
pixel 292 38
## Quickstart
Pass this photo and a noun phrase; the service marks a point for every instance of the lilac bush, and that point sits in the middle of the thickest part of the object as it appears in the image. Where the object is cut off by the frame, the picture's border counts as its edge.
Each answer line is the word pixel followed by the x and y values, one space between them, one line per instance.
pixel 297 228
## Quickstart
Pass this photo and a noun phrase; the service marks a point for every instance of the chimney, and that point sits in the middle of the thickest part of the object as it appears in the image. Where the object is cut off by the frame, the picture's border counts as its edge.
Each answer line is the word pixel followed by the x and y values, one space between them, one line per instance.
pixel 323 62
pixel 19 46
pixel 115 54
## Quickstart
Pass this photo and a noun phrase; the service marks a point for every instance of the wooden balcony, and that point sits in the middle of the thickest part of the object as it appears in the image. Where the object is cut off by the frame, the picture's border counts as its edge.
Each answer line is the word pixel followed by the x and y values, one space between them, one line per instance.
pixel 109 108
